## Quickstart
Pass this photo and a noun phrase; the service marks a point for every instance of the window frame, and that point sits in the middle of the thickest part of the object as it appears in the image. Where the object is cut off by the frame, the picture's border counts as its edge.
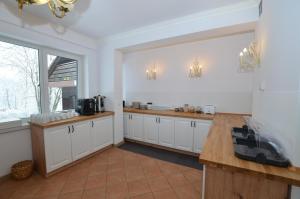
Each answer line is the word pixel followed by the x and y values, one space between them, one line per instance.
pixel 43 51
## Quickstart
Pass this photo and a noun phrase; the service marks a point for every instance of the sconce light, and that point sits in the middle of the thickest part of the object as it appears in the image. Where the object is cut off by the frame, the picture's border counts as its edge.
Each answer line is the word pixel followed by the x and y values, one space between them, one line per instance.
pixel 195 70
pixel 151 73
pixel 249 58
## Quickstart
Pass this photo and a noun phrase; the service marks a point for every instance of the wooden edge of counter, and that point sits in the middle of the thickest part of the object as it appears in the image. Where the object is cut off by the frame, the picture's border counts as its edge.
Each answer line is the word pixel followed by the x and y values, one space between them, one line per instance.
pixel 72 120
pixel 170 113
pixel 232 168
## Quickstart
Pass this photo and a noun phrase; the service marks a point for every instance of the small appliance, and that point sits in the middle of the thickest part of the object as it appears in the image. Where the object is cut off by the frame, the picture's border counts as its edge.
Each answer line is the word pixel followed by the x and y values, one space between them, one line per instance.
pixel 99 100
pixel 209 109
pixel 86 106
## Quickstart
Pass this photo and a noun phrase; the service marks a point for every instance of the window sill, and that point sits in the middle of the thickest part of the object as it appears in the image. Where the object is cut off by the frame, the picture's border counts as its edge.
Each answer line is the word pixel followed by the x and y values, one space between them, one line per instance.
pixel 14 129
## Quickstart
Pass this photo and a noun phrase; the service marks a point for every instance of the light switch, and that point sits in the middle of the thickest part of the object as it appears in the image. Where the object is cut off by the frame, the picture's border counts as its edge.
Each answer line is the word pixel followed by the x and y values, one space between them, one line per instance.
pixel 262 86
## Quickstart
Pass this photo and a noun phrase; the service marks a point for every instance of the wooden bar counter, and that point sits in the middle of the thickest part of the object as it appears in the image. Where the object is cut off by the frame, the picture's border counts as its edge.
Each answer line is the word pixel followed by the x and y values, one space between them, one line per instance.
pixel 227 177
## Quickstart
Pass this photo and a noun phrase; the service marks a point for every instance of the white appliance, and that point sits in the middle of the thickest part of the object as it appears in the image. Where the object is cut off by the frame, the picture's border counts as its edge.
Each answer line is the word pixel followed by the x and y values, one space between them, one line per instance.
pixel 209 109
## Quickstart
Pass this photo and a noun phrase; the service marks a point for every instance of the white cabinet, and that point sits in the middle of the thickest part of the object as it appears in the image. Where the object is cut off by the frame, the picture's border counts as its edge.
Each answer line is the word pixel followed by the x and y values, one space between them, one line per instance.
pixel 184 134
pixel 81 140
pixel 179 133
pixel 57 143
pixel 133 126
pixel 101 133
pixel 190 135
pixel 127 125
pixel 166 131
pixel 137 127
pixel 68 143
pixel 151 129
pixel 200 134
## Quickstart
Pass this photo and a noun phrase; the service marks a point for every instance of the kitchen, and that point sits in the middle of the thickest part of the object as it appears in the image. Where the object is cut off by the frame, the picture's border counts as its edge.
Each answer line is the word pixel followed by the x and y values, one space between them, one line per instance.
pixel 175 87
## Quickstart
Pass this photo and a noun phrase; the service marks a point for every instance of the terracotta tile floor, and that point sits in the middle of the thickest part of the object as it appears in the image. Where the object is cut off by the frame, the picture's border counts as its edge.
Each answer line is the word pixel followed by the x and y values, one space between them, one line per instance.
pixel 114 173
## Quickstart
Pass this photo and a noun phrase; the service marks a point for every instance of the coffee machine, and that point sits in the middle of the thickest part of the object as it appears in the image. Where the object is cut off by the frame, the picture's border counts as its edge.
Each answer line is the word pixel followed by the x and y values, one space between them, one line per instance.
pixel 99 104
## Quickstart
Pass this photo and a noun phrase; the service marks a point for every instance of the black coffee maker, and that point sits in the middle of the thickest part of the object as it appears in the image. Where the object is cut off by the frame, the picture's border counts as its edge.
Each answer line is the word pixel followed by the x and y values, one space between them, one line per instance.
pixel 99 101
pixel 86 106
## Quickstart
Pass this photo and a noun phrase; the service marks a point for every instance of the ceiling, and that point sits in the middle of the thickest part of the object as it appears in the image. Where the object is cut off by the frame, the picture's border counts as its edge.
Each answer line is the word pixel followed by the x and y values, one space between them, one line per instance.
pixel 99 18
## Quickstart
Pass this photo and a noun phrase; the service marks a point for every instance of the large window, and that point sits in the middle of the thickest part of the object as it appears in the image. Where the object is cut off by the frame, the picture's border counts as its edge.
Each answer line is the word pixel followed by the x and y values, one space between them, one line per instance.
pixel 33 80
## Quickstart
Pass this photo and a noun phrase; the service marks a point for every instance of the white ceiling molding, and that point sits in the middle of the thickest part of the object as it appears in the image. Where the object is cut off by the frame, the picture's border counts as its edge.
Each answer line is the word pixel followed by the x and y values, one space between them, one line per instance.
pixel 237 14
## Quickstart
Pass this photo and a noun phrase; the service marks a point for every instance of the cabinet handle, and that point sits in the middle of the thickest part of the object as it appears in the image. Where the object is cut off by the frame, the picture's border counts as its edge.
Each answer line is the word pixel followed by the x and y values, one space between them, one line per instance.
pixel 73 129
pixel 191 123
pixel 69 130
pixel 195 124
pixel 92 124
pixel 129 117
pixel 159 120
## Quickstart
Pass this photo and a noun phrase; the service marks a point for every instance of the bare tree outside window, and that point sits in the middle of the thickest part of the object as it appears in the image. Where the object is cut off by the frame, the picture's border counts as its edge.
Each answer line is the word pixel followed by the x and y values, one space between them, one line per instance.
pixel 20 94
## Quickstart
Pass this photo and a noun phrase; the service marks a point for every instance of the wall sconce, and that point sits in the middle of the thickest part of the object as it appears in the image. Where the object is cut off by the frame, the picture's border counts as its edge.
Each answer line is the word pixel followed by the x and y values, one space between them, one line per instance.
pixel 249 58
pixel 195 70
pixel 151 73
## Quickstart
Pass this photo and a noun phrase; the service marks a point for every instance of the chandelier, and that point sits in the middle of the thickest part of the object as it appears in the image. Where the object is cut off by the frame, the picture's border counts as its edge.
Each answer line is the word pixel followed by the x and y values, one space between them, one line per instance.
pixel 59 8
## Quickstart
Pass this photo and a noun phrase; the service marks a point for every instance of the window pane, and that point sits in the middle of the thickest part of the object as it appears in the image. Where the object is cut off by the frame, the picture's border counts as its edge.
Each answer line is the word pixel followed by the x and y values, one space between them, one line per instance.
pixel 62 81
pixel 19 82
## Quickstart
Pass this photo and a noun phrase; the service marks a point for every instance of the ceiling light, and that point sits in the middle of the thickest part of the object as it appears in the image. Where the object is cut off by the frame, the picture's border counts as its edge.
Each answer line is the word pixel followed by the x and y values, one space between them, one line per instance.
pixel 59 8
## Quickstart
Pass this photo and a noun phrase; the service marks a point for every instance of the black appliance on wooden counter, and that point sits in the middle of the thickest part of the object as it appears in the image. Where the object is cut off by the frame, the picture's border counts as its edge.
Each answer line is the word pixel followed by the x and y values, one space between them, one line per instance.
pixel 86 106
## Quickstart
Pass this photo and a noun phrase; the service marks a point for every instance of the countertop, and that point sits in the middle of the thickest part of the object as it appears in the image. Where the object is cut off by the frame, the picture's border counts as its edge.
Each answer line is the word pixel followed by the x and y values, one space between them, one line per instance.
pixel 170 113
pixel 72 120
pixel 218 152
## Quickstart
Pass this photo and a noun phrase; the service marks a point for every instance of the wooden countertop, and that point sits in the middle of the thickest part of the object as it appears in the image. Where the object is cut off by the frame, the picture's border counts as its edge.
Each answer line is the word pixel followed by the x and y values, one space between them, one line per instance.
pixel 170 113
pixel 218 151
pixel 72 120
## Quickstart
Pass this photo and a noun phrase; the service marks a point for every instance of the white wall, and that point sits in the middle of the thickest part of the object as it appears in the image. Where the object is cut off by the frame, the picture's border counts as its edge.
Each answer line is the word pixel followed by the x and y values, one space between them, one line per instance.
pixel 221 84
pixel 279 105
pixel 230 19
pixel 16 146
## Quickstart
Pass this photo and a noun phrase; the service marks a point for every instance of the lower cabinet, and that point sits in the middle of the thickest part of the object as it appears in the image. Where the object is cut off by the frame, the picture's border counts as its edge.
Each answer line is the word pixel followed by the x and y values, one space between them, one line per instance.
pixel 101 133
pixel 200 134
pixel 166 131
pixel 66 144
pixel 134 127
pixel 179 133
pixel 58 147
pixel 81 140
pixel 151 129
pixel 184 134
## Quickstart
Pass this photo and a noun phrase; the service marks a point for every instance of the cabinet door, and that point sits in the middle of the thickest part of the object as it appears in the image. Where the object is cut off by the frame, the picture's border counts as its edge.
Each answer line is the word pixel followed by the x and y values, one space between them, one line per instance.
pixel 101 133
pixel 136 126
pixel 127 129
pixel 184 134
pixel 200 133
pixel 166 131
pixel 57 147
pixel 81 137
pixel 151 129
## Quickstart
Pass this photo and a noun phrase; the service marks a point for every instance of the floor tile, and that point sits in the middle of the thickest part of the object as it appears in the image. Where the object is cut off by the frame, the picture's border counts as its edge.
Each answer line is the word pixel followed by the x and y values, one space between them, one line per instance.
pixel 116 177
pixel 177 180
pixel 158 183
pixel 138 187
pixel 144 196
pixel 98 193
pixel 165 194
pixel 74 185
pixel 187 192
pixel 74 195
pixel 97 181
pixel 49 189
pixel 117 191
